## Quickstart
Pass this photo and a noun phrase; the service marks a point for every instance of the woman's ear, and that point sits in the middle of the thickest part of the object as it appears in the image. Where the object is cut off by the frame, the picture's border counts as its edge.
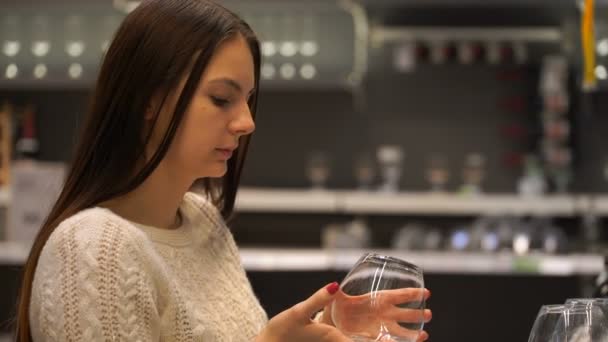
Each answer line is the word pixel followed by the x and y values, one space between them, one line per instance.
pixel 154 105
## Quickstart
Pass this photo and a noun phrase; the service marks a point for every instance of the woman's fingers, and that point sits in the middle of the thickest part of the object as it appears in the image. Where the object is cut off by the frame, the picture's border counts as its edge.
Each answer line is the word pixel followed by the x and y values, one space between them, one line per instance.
pixel 405 295
pixel 403 315
pixel 304 310
pixel 395 330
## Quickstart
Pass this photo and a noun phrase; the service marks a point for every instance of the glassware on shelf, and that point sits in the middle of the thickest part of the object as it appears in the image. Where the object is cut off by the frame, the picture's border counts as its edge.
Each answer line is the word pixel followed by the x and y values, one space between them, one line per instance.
pixel 437 173
pixel 353 234
pixel 473 173
pixel 601 302
pixel 390 159
pixel 318 169
pixel 532 183
pixel 365 171
pixel 415 236
pixel 585 322
pixel 460 239
pixel 367 307
pixel 483 234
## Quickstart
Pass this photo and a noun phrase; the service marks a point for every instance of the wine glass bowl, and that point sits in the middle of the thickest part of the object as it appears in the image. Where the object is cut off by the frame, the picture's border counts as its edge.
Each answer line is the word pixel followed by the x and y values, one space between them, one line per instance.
pixel 381 299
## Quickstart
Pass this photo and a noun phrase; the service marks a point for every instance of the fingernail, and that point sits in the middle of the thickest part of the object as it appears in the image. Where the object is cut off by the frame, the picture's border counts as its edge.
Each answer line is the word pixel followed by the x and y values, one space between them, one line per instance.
pixel 428 293
pixel 332 288
pixel 425 336
pixel 429 314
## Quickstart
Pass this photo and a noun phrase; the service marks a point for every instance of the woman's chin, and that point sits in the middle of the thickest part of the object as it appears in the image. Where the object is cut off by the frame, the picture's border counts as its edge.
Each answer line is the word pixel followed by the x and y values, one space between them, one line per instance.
pixel 217 171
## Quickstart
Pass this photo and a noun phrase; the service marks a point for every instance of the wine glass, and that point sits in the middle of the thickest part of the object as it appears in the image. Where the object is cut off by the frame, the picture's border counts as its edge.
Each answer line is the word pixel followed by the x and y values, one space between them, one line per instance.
pixel 437 172
pixel 473 173
pixel 390 158
pixel 602 303
pixel 365 171
pixel 318 169
pixel 381 299
pixel 569 323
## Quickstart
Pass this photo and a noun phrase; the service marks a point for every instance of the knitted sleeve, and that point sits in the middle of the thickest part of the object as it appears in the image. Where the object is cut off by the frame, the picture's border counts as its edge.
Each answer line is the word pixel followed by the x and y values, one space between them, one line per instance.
pixel 91 284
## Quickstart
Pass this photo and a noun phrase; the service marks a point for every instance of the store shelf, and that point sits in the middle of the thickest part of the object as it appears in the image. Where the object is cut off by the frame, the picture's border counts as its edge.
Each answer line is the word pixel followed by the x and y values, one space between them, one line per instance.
pixel 452 204
pixel 275 200
pixel 277 260
pixel 12 253
pixel 352 202
pixel 600 204
pixel 422 203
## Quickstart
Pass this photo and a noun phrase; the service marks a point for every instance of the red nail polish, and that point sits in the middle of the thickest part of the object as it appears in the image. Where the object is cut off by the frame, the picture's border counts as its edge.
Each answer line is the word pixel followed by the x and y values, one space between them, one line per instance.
pixel 332 288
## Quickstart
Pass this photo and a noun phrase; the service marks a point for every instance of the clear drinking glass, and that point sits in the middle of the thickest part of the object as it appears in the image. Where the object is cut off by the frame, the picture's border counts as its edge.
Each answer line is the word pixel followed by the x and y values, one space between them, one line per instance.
pixel 381 299
pixel 569 323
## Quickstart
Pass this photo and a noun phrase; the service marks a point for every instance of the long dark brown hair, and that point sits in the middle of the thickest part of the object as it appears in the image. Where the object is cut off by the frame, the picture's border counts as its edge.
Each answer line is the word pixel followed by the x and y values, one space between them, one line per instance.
pixel 157 44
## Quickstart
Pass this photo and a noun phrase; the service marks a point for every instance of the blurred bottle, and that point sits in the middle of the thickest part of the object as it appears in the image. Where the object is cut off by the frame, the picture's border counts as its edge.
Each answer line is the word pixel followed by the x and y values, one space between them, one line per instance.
pixel 27 145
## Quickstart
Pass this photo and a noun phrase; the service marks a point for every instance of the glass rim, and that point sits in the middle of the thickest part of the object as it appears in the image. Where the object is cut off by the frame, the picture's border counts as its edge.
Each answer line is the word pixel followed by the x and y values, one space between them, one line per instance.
pixel 383 257
pixel 585 300
pixel 562 309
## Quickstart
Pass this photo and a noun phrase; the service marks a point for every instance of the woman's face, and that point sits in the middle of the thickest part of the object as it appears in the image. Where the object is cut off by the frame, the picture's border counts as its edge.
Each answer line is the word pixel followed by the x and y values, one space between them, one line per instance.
pixel 216 118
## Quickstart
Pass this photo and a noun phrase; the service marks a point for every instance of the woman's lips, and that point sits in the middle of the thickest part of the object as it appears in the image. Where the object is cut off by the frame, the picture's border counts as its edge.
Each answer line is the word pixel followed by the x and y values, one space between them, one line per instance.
pixel 225 153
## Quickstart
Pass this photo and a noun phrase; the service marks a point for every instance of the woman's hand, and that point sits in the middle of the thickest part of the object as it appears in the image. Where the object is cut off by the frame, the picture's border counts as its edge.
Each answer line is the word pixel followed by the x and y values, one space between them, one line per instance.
pixel 369 316
pixel 295 325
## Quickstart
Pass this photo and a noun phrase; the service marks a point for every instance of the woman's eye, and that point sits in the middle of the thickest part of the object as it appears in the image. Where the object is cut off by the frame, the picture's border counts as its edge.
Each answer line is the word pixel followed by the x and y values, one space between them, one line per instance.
pixel 220 102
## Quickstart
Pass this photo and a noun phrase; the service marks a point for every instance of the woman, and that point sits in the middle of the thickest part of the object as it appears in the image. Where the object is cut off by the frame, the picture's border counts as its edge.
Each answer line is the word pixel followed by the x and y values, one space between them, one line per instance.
pixel 128 252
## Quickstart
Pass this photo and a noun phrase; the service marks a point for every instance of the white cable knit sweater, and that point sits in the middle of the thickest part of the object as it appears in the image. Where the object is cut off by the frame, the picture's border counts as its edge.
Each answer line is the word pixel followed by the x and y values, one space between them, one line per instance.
pixel 103 278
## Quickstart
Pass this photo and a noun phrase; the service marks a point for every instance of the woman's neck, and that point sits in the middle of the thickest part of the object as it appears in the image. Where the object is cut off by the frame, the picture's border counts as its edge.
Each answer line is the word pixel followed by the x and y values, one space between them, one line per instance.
pixel 155 202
